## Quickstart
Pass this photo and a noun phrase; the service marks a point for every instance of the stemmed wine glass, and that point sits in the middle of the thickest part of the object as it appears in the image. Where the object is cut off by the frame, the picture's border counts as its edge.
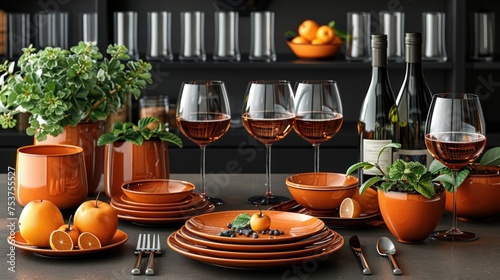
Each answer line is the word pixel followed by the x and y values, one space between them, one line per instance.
pixel 268 115
pixel 318 111
pixel 455 136
pixel 203 116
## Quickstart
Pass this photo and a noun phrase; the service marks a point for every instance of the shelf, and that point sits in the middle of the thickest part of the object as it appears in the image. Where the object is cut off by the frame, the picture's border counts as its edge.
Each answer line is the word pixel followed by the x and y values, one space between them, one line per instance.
pixel 483 65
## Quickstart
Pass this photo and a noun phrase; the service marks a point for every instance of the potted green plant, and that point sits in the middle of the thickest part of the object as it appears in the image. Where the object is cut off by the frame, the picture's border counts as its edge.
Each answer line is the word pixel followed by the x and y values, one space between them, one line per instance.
pixel 479 186
pixel 410 199
pixel 136 152
pixel 69 93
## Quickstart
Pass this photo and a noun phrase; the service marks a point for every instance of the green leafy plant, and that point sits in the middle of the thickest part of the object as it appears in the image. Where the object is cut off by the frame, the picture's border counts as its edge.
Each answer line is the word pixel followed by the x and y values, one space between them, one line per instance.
pixel 65 87
pixel 127 131
pixel 401 176
pixel 490 158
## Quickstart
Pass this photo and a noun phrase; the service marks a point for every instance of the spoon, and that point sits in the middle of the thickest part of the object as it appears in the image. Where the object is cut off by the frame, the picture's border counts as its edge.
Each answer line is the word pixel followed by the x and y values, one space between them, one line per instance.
pixel 386 248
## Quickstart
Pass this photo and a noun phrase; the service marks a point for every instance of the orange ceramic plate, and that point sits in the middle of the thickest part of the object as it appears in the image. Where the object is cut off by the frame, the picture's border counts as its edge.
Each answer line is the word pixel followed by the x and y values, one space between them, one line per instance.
pixel 336 245
pixel 303 251
pixel 295 226
pixel 149 221
pixel 308 241
pixel 159 214
pixel 18 241
pixel 333 220
pixel 127 200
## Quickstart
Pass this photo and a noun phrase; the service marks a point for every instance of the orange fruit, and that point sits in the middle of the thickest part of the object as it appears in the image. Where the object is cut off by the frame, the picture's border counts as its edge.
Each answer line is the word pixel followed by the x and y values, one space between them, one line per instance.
pixel 349 208
pixel 60 240
pixel 317 42
pixel 88 240
pixel 307 29
pixel 368 201
pixel 325 34
pixel 300 40
pixel 38 219
pixel 337 40
pixel 97 217
pixel 70 229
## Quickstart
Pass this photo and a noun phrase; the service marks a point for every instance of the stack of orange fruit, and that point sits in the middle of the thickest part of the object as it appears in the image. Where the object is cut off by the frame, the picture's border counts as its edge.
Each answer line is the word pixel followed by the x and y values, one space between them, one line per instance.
pixel 310 32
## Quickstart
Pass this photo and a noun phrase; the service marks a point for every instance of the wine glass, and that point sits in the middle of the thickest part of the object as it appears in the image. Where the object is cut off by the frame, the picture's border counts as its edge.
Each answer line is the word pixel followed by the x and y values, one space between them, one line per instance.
pixel 268 115
pixel 318 112
pixel 203 116
pixel 455 136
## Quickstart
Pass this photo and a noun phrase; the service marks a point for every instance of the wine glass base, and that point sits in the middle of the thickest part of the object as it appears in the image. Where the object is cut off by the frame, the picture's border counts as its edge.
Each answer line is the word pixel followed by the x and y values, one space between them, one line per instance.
pixel 451 236
pixel 215 201
pixel 267 199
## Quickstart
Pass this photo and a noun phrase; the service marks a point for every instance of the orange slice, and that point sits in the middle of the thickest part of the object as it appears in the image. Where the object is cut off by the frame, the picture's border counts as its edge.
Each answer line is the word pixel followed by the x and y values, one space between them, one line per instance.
pixel 349 208
pixel 88 240
pixel 60 240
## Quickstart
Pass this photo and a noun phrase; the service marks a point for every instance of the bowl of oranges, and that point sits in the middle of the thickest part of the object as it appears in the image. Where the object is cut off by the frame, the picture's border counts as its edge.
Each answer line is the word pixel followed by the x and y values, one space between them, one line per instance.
pixel 315 41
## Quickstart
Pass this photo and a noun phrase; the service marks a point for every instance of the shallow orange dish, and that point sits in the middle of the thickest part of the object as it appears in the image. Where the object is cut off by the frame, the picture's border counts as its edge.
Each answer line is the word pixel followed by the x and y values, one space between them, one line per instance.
pixel 314 51
pixel 157 191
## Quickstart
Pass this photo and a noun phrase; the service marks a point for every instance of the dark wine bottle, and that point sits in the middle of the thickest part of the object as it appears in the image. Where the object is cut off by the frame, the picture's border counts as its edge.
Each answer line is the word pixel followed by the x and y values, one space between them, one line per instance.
pixel 413 102
pixel 378 118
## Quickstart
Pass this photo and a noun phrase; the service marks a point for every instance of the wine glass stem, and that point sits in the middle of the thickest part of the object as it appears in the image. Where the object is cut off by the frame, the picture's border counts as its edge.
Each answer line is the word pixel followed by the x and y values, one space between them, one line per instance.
pixel 202 169
pixel 454 222
pixel 316 157
pixel 268 170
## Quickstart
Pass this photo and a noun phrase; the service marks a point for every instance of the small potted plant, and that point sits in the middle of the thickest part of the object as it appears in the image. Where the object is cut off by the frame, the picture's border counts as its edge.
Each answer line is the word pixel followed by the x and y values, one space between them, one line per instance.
pixel 69 94
pixel 479 186
pixel 410 199
pixel 136 152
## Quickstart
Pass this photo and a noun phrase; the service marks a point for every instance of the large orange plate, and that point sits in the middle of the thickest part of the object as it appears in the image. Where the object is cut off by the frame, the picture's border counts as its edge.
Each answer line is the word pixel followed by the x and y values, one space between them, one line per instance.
pixel 255 263
pixel 295 226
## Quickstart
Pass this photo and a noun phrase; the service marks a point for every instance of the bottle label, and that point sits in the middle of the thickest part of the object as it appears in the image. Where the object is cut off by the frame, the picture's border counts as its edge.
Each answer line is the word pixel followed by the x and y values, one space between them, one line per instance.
pixel 371 149
pixel 423 156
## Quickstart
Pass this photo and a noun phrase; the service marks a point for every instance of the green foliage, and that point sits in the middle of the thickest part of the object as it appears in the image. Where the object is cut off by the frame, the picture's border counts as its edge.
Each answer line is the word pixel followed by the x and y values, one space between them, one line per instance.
pixel 401 176
pixel 242 221
pixel 65 87
pixel 127 131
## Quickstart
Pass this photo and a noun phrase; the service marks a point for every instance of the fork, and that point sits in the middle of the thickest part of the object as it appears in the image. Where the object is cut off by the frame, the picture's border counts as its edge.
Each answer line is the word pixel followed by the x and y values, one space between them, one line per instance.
pixel 155 249
pixel 139 250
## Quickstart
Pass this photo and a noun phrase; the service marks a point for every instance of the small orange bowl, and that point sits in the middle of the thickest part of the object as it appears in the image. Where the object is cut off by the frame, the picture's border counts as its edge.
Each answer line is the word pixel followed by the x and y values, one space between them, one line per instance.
pixel 310 51
pixel 321 191
pixel 157 191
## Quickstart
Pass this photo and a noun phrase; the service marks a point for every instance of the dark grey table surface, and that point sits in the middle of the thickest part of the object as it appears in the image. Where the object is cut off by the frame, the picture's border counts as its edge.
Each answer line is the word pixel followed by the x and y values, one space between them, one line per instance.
pixel 428 260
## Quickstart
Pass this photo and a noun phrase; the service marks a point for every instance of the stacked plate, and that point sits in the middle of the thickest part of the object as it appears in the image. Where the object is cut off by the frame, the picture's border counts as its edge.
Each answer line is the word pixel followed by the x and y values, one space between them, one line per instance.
pixel 304 238
pixel 160 213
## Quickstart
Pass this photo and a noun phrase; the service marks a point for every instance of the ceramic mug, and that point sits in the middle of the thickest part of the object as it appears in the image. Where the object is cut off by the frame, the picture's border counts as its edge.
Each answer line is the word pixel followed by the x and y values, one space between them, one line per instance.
pixel 51 172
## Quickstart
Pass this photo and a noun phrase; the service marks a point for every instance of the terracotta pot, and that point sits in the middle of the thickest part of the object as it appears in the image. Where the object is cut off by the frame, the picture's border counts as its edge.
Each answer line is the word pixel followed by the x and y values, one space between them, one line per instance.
pixel 84 135
pixel 411 218
pixel 478 197
pixel 125 162
pixel 51 172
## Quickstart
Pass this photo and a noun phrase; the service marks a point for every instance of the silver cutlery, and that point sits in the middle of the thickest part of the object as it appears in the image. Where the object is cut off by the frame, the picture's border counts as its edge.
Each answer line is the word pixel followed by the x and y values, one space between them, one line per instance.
pixel 356 248
pixel 386 248
pixel 153 250
pixel 139 250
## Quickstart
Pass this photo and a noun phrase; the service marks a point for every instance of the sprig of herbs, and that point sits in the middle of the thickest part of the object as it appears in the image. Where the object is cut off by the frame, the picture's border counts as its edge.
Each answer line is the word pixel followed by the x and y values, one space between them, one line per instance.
pixel 127 131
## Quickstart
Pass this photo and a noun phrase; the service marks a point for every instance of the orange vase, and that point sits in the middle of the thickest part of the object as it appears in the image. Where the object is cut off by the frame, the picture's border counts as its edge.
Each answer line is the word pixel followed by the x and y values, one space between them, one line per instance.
pixel 411 218
pixel 51 172
pixel 125 162
pixel 478 197
pixel 84 135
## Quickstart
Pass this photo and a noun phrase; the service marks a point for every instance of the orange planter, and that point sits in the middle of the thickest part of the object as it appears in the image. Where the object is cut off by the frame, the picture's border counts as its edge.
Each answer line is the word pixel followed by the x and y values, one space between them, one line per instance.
pixel 84 135
pixel 51 172
pixel 125 162
pixel 478 197
pixel 411 218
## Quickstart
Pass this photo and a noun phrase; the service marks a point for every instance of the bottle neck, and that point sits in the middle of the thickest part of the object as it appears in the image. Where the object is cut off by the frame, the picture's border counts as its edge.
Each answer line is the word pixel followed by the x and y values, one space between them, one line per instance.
pixel 379 57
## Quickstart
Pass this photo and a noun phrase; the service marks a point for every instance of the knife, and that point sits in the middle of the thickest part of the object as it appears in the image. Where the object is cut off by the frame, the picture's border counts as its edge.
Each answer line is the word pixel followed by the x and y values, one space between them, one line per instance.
pixel 356 248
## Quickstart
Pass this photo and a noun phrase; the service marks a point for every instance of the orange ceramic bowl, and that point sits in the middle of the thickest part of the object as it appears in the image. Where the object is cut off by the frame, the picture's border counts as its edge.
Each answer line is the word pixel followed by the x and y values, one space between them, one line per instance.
pixel 51 172
pixel 157 191
pixel 321 191
pixel 310 51
pixel 477 197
